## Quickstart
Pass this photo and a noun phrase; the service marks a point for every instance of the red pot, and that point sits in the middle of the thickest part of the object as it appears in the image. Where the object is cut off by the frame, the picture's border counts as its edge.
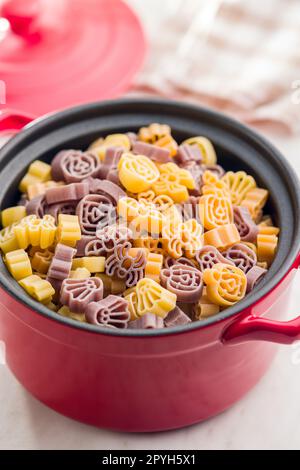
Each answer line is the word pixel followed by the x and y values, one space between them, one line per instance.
pixel 154 379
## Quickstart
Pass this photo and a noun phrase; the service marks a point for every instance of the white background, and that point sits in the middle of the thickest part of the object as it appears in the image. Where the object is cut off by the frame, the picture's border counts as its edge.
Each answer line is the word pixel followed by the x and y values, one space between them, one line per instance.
pixel 267 418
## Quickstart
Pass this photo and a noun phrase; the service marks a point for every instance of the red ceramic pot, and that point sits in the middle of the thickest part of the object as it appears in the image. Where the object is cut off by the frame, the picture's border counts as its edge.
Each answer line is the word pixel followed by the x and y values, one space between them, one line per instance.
pixel 150 380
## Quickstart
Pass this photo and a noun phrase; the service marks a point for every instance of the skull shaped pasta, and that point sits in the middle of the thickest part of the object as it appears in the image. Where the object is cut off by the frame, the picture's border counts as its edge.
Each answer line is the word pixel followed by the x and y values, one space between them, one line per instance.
pixel 185 281
pixel 242 256
pixel 208 256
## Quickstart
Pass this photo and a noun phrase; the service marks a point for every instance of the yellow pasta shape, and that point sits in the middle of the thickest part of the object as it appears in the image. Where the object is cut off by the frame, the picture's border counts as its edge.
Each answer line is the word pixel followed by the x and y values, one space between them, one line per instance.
pixel 52 306
pixel 222 237
pixel 37 232
pixel 38 288
pixel 153 298
pixel 172 239
pixel 94 264
pixel 41 261
pixel 65 312
pixel 205 308
pixel 8 239
pixel 239 184
pixel 131 298
pixel 137 173
pixel 37 189
pixel 80 273
pixel 153 132
pixel 112 285
pixel 18 264
pixel 206 148
pixel 225 284
pixel 68 230
pixel 106 280
pixel 143 217
pixel 191 237
pixel 182 237
pixel 146 196
pixel 154 266
pixel 268 229
pixel 252 246
pixel 262 264
pixel 174 182
pixel 153 245
pixel 266 247
pixel 255 200
pixel 12 215
pixel 215 206
pixel 167 142
pixel 100 145
pixel 38 172
pixel 266 221
pixel 213 185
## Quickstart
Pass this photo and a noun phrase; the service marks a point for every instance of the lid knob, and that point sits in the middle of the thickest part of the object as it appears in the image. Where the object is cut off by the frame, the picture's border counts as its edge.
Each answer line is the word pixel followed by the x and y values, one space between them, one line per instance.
pixel 21 15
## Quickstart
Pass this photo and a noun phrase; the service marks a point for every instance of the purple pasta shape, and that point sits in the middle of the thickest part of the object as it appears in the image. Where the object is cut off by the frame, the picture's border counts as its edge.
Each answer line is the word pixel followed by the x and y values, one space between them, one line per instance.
pixel 184 281
pixel 154 152
pixel 208 256
pixel 69 192
pixel 61 263
pixel 149 321
pixel 60 266
pixel 215 169
pixel 109 166
pixel 37 206
pixel 108 238
pixel 188 153
pixel 247 229
pixel 23 201
pixel 176 318
pixel 132 136
pixel 107 188
pixel 95 211
pixel 77 294
pixel 56 169
pixel 124 266
pixel 242 256
pixel 68 207
pixel 112 311
pixel 82 243
pixel 169 261
pixel 196 172
pixel 190 209
pixel 254 276
pixel 73 166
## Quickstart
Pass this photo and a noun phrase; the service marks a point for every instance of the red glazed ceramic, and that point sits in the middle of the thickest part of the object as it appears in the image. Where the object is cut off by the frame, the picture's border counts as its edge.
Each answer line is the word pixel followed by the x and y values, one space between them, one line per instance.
pixel 150 380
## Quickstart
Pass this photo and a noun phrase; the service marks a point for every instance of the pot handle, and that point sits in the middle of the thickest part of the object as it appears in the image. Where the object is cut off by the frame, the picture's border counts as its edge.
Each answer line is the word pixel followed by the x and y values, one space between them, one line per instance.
pixel 11 120
pixel 256 328
pixel 251 327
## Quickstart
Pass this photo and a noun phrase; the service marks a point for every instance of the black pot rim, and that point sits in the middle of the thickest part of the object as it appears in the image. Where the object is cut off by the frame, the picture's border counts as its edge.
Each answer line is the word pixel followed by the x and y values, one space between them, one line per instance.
pixel 230 312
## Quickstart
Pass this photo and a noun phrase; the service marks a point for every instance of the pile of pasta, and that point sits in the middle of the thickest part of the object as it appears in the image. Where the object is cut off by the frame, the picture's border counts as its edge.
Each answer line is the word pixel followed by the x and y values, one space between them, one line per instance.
pixel 138 231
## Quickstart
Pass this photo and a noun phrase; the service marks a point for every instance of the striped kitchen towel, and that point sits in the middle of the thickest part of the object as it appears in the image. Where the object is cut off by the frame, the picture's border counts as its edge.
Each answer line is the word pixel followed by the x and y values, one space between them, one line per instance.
pixel 241 57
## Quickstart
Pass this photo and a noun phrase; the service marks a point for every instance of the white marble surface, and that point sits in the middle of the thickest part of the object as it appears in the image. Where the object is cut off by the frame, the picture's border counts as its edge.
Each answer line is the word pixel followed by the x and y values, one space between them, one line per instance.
pixel 267 418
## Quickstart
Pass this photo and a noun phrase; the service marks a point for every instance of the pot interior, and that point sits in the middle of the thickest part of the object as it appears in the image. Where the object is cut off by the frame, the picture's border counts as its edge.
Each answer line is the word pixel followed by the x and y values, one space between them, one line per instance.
pixel 238 148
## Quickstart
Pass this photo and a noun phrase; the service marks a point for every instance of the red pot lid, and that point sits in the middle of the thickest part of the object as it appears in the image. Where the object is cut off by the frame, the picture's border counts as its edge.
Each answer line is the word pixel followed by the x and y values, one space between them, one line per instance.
pixel 57 53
